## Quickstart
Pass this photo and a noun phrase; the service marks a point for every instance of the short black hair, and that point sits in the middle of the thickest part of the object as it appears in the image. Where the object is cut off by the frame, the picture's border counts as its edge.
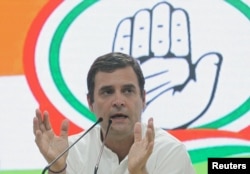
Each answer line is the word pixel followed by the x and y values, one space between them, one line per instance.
pixel 109 63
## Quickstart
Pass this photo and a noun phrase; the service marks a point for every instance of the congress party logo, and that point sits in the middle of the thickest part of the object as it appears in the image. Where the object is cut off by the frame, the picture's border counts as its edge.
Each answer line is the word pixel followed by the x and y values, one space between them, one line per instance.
pixel 194 56
pixel 160 38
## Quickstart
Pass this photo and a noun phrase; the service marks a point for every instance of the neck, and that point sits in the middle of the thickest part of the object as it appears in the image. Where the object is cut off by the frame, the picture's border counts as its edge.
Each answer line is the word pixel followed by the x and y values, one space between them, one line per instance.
pixel 120 146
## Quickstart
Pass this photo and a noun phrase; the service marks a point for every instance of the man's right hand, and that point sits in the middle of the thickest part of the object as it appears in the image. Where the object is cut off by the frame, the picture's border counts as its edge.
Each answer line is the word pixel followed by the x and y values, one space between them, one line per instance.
pixel 49 144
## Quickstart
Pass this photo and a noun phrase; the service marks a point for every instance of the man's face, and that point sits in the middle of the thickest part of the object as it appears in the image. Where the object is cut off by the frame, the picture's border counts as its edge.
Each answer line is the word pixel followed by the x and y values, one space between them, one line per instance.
pixel 117 97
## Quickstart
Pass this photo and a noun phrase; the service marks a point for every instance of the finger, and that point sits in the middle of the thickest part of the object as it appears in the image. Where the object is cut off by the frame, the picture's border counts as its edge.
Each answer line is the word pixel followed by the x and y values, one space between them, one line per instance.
pixel 64 129
pixel 47 121
pixel 37 132
pixel 40 120
pixel 39 116
pixel 149 141
pixel 160 42
pixel 122 38
pixel 137 132
pixel 38 139
pixel 140 33
pixel 35 125
pixel 150 148
pixel 151 125
pixel 37 121
pixel 180 44
pixel 150 131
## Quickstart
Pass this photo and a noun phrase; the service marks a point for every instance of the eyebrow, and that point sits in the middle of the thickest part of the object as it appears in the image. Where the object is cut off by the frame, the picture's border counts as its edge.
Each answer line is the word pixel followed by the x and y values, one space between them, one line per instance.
pixel 103 88
pixel 129 86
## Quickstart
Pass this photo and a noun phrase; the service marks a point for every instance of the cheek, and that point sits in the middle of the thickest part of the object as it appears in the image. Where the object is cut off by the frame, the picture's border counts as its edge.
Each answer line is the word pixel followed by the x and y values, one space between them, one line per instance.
pixel 99 107
pixel 95 108
pixel 139 108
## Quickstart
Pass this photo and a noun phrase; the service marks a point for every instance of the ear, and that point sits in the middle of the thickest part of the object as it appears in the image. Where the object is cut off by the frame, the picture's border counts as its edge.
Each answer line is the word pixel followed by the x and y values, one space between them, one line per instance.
pixel 144 99
pixel 90 103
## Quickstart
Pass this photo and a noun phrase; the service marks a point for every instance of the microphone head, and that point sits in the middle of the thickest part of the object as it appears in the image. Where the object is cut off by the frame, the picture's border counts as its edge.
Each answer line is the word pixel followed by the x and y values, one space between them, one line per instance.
pixel 100 119
pixel 110 121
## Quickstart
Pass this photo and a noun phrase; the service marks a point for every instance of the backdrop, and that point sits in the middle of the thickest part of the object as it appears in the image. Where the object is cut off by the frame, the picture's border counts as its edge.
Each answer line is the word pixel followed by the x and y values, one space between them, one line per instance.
pixel 194 55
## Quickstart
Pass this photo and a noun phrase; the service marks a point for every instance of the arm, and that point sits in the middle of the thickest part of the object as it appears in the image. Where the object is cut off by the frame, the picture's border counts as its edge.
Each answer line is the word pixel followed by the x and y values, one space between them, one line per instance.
pixel 49 144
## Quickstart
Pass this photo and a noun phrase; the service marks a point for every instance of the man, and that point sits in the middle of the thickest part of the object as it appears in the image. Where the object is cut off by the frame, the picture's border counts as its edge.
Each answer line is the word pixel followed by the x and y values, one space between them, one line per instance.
pixel 115 92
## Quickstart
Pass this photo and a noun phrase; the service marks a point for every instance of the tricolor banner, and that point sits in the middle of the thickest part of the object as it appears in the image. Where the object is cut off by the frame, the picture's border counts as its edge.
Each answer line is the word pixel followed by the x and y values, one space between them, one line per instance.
pixel 194 56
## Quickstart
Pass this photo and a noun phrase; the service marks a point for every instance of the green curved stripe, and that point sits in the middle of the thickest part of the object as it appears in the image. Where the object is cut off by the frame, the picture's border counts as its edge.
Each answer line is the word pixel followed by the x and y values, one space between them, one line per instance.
pixel 201 155
pixel 241 6
pixel 54 58
pixel 234 115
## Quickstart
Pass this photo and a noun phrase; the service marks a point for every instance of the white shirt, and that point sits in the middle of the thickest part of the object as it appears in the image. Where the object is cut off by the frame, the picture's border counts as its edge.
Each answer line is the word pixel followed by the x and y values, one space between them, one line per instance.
pixel 169 156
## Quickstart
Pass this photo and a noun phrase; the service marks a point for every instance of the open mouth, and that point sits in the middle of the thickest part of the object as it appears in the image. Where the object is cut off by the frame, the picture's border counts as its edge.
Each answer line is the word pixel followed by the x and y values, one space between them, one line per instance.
pixel 117 116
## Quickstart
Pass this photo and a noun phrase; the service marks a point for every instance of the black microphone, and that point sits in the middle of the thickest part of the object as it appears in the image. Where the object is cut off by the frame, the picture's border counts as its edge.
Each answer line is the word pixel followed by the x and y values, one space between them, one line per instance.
pixel 67 149
pixel 102 147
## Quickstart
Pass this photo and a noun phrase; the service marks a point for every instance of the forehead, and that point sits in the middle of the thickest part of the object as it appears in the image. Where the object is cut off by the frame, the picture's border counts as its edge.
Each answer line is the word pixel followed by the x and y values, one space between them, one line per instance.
pixel 121 76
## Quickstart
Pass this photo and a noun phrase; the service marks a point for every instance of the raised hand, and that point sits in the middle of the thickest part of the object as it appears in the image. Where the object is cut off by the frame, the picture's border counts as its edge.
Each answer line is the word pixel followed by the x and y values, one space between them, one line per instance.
pixel 141 149
pixel 180 86
pixel 49 144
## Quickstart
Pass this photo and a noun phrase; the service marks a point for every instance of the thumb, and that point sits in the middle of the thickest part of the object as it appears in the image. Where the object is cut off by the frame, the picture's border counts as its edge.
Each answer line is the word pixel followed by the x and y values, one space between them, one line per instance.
pixel 137 132
pixel 207 71
pixel 208 67
pixel 64 128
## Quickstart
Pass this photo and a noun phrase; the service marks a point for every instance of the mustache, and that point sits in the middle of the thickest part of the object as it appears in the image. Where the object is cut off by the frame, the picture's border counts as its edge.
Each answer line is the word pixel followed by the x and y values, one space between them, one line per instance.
pixel 118 115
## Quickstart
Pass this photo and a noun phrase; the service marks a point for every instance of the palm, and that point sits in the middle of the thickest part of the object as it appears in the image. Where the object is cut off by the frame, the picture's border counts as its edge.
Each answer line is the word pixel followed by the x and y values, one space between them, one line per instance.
pixel 137 155
pixel 49 144
pixel 52 145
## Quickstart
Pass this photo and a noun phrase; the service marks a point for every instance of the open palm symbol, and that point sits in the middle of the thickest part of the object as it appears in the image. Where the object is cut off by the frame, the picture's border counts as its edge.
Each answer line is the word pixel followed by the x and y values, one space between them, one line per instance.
pixel 180 89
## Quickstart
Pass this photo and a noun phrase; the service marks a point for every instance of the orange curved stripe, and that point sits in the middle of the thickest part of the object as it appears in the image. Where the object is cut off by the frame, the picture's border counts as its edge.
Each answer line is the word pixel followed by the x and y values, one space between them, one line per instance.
pixel 192 134
pixel 16 17
pixel 30 71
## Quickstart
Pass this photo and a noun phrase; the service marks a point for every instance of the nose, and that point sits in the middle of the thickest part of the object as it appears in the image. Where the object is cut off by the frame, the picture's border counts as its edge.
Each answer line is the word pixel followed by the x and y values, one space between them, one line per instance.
pixel 118 101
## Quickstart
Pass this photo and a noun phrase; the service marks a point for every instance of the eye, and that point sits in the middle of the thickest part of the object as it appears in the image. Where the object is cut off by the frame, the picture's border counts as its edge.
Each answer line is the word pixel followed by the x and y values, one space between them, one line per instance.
pixel 106 91
pixel 128 90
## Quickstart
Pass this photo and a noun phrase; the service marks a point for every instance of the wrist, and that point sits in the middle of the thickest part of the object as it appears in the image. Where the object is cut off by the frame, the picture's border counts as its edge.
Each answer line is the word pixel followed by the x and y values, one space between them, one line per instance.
pixel 140 171
pixel 58 171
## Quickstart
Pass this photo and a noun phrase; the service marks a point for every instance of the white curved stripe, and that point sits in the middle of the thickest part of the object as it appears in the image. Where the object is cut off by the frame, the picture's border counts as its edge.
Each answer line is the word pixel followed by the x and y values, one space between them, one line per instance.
pixel 247 2
pixel 238 124
pixel 211 142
